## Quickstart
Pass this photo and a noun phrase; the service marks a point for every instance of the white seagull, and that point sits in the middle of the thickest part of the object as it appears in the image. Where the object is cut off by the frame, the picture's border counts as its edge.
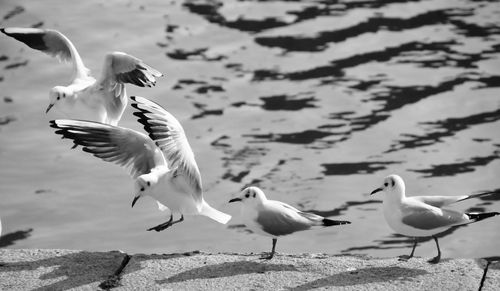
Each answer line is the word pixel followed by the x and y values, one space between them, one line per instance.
pixel 273 218
pixel 162 164
pixel 102 100
pixel 422 216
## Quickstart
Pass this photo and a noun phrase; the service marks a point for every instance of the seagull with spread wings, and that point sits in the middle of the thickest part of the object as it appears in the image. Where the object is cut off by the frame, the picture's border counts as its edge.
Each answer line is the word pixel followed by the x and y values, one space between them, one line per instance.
pixel 102 100
pixel 423 216
pixel 163 164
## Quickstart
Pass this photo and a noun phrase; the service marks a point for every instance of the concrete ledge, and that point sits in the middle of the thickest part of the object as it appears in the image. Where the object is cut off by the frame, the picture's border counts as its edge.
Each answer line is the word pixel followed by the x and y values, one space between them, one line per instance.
pixel 67 269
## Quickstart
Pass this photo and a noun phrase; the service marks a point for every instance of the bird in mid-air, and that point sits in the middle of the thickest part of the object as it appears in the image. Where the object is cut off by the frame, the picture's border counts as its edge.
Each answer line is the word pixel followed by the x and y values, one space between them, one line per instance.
pixel 275 219
pixel 422 216
pixel 102 100
pixel 162 164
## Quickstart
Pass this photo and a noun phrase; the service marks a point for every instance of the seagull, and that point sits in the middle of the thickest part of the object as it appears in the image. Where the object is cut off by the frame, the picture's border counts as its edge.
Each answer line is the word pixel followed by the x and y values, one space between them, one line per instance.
pixel 273 218
pixel 422 216
pixel 102 100
pixel 163 164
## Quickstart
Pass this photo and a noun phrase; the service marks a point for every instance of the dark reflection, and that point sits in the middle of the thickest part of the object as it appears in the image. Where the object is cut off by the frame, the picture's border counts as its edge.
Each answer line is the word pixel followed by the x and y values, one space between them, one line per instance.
pixel 444 128
pixel 209 9
pixel 284 102
pixel 495 195
pixel 17 10
pixel 235 178
pixel 303 137
pixel 320 40
pixel 335 68
pixel 7 119
pixel 10 238
pixel 355 168
pixel 16 65
pixel 457 168
pixel 204 112
pixel 180 54
pixel 340 210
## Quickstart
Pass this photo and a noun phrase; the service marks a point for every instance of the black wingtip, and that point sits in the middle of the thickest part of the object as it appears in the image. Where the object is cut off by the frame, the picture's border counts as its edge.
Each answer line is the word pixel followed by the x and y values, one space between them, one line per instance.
pixel 330 222
pixel 480 216
pixel 53 124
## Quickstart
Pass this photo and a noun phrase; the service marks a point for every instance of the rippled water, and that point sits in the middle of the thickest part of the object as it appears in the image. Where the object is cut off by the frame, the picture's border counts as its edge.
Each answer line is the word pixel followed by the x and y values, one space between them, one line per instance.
pixel 313 101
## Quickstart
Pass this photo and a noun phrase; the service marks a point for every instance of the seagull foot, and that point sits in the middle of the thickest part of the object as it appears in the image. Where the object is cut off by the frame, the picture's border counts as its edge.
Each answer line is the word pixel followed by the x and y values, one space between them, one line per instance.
pixel 160 227
pixel 404 258
pixel 435 260
pixel 268 257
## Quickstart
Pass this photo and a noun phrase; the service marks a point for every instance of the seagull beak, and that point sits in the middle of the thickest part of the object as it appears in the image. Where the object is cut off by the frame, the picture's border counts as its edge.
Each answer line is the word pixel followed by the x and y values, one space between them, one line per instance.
pixel 234 200
pixel 48 108
pixel 376 190
pixel 135 200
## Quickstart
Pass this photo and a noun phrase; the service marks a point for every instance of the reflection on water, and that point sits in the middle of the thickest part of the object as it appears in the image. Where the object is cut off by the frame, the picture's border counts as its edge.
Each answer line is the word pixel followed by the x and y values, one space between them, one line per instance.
pixel 314 101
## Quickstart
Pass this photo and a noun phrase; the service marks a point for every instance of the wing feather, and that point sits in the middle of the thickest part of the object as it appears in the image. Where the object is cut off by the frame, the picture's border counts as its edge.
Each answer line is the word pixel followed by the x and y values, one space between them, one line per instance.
pixel 123 146
pixel 166 131
pixel 51 42
pixel 120 68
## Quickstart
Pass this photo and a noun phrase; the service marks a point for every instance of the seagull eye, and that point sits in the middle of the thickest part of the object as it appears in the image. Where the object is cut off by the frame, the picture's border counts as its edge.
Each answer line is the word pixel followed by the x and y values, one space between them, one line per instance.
pixel 58 97
pixel 386 184
pixel 64 94
pixel 149 184
pixel 142 188
pixel 247 195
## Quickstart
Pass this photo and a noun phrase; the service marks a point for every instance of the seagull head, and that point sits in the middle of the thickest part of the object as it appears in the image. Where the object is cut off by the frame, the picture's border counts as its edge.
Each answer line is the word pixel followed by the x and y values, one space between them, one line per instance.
pixel 143 185
pixel 393 186
pixel 250 196
pixel 57 94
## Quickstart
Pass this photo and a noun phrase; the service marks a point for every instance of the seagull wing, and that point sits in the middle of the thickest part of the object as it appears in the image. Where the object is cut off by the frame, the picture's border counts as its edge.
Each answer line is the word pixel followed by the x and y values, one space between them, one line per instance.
pixel 427 218
pixel 123 146
pixel 439 201
pixel 51 42
pixel 278 218
pixel 120 68
pixel 169 136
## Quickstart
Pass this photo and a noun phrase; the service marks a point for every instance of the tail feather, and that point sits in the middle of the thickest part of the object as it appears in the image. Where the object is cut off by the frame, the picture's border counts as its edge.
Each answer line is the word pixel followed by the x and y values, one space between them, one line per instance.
pixel 214 214
pixel 330 222
pixel 480 216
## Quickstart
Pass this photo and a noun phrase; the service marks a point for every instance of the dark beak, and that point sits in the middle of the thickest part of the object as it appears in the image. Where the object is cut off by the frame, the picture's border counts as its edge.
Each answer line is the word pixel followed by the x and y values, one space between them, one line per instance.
pixel 48 108
pixel 376 190
pixel 234 200
pixel 135 200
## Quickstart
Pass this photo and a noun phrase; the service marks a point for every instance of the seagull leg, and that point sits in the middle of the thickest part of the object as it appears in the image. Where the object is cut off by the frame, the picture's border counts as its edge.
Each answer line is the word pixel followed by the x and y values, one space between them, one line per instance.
pixel 271 255
pixel 437 258
pixel 167 224
pixel 164 225
pixel 177 221
pixel 405 257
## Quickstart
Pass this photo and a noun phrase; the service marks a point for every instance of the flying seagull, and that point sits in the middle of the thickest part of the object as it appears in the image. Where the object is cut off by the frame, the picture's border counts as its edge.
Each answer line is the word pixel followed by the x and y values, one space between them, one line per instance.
pixel 163 164
pixel 102 100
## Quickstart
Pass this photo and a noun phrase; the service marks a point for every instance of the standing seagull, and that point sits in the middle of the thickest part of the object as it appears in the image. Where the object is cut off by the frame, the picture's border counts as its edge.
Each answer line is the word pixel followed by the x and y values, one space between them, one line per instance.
pixel 85 98
pixel 422 216
pixel 162 164
pixel 274 218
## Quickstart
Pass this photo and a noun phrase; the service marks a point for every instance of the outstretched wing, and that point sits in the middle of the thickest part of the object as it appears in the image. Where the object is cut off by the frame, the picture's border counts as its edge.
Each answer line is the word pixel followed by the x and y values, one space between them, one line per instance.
pixel 120 68
pixel 169 136
pixel 51 42
pixel 440 201
pixel 123 146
